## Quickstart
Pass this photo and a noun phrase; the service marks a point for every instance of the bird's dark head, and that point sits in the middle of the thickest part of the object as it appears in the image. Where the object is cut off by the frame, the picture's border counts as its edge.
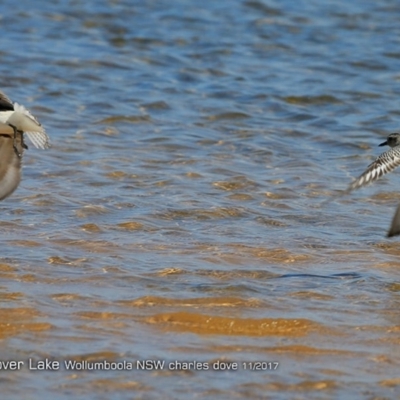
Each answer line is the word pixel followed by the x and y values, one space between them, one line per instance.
pixel 393 140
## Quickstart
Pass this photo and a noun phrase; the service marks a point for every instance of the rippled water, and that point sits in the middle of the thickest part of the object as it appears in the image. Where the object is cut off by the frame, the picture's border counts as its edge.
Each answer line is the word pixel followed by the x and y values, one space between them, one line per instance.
pixel 177 216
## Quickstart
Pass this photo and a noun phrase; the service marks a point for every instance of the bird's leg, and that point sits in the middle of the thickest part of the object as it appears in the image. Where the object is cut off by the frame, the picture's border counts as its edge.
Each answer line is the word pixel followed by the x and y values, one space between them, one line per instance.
pixel 15 140
pixel 23 144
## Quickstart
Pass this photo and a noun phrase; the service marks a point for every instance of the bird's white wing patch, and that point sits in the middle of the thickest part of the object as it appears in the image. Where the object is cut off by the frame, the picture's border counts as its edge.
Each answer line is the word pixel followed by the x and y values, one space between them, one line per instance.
pixel 20 108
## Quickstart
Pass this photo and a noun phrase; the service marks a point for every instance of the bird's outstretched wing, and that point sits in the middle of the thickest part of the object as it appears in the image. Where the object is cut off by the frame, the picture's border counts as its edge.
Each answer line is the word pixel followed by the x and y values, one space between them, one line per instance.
pixel 34 130
pixel 386 162
pixel 39 139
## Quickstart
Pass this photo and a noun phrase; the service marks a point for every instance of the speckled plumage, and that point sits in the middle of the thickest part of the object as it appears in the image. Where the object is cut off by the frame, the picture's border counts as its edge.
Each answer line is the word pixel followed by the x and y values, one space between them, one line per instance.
pixel 385 163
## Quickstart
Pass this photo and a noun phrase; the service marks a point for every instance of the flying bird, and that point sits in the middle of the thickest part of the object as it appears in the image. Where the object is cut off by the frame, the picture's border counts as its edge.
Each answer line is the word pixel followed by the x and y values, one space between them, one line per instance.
pixel 386 162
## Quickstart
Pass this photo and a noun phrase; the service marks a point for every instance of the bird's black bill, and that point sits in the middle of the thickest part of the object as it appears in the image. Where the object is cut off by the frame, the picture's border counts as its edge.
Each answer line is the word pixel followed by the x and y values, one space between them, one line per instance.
pixel 384 143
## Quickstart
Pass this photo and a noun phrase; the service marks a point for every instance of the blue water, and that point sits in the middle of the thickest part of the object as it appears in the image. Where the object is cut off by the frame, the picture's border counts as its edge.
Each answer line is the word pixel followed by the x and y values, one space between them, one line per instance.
pixel 178 214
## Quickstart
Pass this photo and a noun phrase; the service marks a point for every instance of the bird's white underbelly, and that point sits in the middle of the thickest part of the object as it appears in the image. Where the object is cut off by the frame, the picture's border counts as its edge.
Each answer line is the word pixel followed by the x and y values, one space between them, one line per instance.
pixel 9 182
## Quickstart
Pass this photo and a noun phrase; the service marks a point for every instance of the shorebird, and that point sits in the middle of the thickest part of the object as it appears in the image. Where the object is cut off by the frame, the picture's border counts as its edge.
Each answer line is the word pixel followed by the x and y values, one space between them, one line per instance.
pixel 22 121
pixel 11 150
pixel 386 162
pixel 15 121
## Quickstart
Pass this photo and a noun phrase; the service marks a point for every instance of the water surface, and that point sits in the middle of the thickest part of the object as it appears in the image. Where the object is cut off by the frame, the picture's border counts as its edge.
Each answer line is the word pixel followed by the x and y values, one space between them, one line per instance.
pixel 177 216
